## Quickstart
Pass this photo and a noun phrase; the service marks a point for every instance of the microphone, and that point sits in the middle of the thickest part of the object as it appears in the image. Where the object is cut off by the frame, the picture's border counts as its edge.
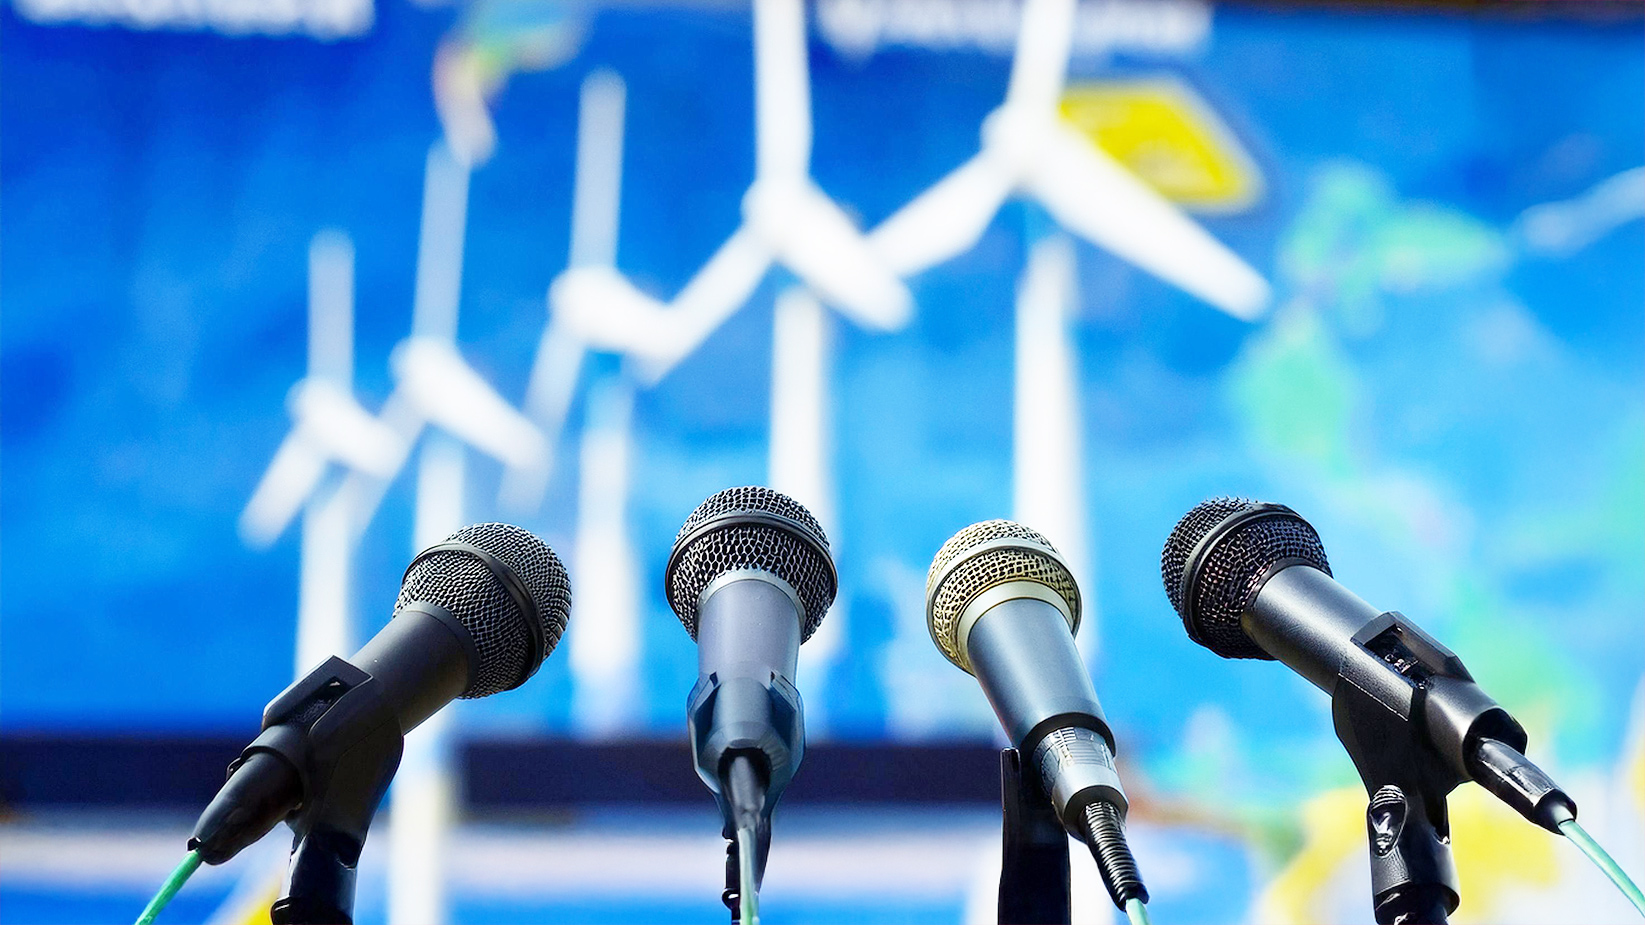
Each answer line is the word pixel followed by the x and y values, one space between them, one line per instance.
pixel 476 615
pixel 1250 580
pixel 1002 605
pixel 750 577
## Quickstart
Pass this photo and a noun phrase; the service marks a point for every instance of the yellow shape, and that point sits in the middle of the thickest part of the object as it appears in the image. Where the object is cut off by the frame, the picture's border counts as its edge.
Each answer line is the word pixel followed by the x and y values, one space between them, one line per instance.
pixel 1493 847
pixel 1164 133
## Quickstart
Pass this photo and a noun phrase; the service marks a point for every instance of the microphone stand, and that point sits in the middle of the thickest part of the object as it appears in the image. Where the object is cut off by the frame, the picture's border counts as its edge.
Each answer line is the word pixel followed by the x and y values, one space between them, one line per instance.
pixel 1034 876
pixel 1413 880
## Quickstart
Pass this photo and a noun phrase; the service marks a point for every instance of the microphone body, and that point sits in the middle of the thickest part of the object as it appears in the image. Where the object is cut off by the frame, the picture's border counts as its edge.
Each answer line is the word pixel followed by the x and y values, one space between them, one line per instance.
pixel 1003 606
pixel 748 646
pixel 1023 656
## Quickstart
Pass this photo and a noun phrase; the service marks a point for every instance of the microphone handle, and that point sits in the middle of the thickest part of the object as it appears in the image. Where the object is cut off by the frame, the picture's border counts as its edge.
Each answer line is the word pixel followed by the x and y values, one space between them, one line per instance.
pixel 745 702
pixel 1023 655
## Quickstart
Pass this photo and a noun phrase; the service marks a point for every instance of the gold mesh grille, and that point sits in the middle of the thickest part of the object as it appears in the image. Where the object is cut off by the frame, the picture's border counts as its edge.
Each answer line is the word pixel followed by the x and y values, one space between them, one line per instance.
pixel 1032 558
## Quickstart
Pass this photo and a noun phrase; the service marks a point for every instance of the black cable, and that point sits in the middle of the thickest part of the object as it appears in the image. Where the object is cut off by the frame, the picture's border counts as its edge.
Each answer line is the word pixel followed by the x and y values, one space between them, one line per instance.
pixel 1105 831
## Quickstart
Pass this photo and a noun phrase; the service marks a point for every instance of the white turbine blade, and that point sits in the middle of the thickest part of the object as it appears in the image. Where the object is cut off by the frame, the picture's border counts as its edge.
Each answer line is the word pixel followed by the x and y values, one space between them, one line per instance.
pixel 721 287
pixel 548 396
pixel 597 194
pixel 1041 62
pixel 450 394
pixel 331 308
pixel 945 220
pixel 440 246
pixel 286 484
pixel 335 423
pixel 1090 194
pixel 604 310
pixel 365 492
pixel 782 93
pixel 823 247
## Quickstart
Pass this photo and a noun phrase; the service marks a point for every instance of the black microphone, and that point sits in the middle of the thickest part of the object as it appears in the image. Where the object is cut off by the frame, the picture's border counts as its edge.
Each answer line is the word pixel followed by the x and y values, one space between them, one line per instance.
pixel 1002 605
pixel 750 577
pixel 1250 580
pixel 476 615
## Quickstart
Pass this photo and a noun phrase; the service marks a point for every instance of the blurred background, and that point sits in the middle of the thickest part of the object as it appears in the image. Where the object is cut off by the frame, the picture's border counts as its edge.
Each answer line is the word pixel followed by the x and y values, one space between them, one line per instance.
pixel 292 288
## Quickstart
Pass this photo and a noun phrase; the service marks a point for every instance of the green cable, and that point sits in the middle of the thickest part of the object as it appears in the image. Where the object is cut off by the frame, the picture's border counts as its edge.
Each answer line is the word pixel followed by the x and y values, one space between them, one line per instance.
pixel 746 890
pixel 191 863
pixel 1580 837
pixel 1136 911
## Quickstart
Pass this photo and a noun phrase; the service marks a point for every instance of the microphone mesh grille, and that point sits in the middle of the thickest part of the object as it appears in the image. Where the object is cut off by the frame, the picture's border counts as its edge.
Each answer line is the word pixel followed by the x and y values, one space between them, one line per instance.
pixel 764 547
pixel 464 585
pixel 1032 559
pixel 1232 569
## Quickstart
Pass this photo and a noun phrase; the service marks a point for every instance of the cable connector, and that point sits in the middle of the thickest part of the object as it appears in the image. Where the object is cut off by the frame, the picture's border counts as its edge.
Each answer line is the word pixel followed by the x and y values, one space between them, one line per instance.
pixel 1105 829
pixel 1501 769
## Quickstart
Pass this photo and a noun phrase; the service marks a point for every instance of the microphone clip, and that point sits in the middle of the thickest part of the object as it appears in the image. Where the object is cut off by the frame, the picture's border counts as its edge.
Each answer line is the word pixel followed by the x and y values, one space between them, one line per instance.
pixel 328 750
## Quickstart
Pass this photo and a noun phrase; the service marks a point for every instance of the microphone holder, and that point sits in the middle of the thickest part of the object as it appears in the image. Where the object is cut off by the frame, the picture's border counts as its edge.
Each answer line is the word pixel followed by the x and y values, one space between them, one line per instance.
pixel 1034 877
pixel 329 748
pixel 1379 717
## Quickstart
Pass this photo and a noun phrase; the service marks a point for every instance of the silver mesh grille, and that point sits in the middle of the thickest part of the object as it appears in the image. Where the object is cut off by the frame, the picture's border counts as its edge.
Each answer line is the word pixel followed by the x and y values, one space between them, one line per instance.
pixel 464 585
pixel 1032 558
pixel 781 550
pixel 1232 569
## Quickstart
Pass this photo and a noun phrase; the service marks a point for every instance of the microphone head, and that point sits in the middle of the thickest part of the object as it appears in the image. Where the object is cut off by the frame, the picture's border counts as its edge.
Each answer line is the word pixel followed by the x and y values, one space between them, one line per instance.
pixel 986 555
pixel 506 587
pixel 1218 558
pixel 751 528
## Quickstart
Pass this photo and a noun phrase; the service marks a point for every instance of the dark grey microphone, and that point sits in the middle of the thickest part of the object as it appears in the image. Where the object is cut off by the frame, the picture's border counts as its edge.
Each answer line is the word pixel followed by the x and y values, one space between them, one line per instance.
pixel 1250 580
pixel 1002 605
pixel 750 577
pixel 476 615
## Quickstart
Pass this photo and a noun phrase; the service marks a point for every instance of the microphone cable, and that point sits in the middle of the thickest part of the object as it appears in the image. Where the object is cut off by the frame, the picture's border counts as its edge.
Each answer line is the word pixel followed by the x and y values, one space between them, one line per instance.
pixel 185 870
pixel 745 795
pixel 1602 860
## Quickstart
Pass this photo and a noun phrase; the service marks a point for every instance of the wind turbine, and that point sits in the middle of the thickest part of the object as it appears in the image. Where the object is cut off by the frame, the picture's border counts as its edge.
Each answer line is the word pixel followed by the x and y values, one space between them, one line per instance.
pixel 605 651
pixel 439 398
pixel 789 222
pixel 1029 151
pixel 329 428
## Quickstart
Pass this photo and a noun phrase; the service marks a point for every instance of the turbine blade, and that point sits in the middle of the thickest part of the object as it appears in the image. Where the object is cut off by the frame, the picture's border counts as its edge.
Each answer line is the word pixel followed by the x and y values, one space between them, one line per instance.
pixel 553 382
pixel 1090 194
pixel 945 220
pixel 1041 62
pixel 827 251
pixel 286 485
pixel 449 393
pixel 782 92
pixel 335 424
pixel 721 287
pixel 366 491
pixel 602 309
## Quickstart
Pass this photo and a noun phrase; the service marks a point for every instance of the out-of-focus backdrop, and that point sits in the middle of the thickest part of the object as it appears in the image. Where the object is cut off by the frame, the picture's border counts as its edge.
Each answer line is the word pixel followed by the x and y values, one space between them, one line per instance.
pixel 293 288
